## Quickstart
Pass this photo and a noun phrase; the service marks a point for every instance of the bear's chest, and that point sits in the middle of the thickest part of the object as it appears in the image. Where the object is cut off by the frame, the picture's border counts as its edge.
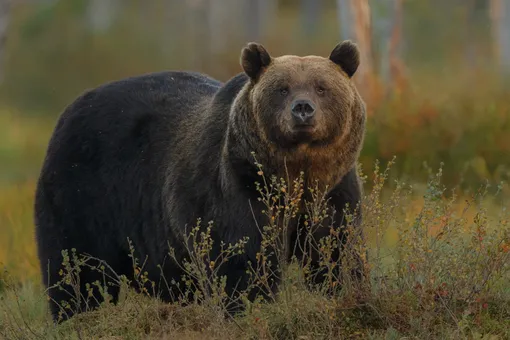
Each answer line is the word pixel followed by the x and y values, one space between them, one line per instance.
pixel 313 171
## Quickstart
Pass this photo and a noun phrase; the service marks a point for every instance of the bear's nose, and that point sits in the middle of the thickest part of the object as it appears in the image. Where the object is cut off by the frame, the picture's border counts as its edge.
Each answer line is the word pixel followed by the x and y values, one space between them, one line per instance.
pixel 303 111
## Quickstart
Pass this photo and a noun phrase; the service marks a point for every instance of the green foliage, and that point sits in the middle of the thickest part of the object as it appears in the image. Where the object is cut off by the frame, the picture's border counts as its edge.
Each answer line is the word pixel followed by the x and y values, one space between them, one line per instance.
pixel 466 131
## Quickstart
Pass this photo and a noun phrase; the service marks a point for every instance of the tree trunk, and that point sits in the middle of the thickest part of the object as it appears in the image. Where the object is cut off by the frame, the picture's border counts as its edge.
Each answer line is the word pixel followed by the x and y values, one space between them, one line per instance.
pixel 354 18
pixel 252 24
pixel 101 14
pixel 469 42
pixel 382 25
pixel 218 24
pixel 197 27
pixel 258 14
pixel 5 11
pixel 397 68
pixel 500 17
pixel 309 13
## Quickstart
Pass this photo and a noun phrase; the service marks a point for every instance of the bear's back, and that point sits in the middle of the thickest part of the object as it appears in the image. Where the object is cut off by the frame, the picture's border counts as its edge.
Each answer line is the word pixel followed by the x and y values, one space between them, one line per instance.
pixel 168 93
pixel 136 110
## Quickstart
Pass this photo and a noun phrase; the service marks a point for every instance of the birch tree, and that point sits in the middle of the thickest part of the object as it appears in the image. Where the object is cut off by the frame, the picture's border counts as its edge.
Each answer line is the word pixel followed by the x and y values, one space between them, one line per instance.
pixel 197 28
pixel 309 12
pixel 101 14
pixel 354 19
pixel 500 17
pixel 5 11
pixel 258 16
pixel 396 66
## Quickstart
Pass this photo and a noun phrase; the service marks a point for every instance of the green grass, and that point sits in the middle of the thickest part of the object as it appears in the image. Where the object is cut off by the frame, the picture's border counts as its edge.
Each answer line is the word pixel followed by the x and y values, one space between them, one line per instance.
pixel 23 143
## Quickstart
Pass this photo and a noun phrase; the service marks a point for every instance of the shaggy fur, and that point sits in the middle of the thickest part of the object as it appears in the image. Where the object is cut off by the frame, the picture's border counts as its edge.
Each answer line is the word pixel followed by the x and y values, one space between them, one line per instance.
pixel 144 157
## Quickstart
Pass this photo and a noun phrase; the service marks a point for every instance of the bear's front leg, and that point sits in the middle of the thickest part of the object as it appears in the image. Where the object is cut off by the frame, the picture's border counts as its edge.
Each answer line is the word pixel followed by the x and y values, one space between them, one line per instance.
pixel 248 279
pixel 341 235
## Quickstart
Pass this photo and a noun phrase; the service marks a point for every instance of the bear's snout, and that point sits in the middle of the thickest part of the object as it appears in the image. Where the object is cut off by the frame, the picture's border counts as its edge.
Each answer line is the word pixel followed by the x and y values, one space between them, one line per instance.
pixel 303 112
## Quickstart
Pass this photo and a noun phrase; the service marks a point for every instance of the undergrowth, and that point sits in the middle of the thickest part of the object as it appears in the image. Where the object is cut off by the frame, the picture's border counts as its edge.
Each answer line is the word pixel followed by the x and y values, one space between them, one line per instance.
pixel 445 276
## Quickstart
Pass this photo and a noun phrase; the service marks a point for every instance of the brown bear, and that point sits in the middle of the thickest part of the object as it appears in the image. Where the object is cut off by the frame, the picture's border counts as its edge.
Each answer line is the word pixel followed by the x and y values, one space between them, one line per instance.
pixel 144 157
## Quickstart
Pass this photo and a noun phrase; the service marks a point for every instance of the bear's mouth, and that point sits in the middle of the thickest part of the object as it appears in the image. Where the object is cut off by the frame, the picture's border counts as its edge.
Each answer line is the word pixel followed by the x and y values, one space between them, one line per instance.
pixel 303 133
pixel 304 128
pixel 294 135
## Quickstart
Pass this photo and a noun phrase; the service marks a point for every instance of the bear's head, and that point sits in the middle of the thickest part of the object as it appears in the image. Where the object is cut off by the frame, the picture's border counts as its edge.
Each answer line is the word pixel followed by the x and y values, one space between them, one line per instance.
pixel 298 101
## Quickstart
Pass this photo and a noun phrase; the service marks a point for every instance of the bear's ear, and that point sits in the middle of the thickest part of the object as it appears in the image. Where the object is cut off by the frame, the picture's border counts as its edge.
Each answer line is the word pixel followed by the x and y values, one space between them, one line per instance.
pixel 254 59
pixel 346 55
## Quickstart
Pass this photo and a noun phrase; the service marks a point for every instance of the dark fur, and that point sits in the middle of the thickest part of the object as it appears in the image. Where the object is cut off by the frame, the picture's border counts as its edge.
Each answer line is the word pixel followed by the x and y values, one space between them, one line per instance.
pixel 143 158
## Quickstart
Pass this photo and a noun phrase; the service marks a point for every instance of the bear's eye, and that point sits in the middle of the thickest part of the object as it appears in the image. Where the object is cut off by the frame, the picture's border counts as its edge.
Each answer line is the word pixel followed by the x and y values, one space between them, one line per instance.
pixel 284 91
pixel 320 90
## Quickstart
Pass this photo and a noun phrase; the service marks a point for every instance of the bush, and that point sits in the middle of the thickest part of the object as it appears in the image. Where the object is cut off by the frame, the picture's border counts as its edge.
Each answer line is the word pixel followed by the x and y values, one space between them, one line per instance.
pixel 436 271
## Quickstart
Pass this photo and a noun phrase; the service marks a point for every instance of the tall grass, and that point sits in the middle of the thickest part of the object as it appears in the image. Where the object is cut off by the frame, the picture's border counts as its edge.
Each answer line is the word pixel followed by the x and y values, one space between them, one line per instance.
pixel 437 270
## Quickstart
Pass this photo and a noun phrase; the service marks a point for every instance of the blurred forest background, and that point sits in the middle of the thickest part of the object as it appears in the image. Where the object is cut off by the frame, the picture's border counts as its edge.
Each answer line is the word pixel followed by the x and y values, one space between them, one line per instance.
pixel 435 75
